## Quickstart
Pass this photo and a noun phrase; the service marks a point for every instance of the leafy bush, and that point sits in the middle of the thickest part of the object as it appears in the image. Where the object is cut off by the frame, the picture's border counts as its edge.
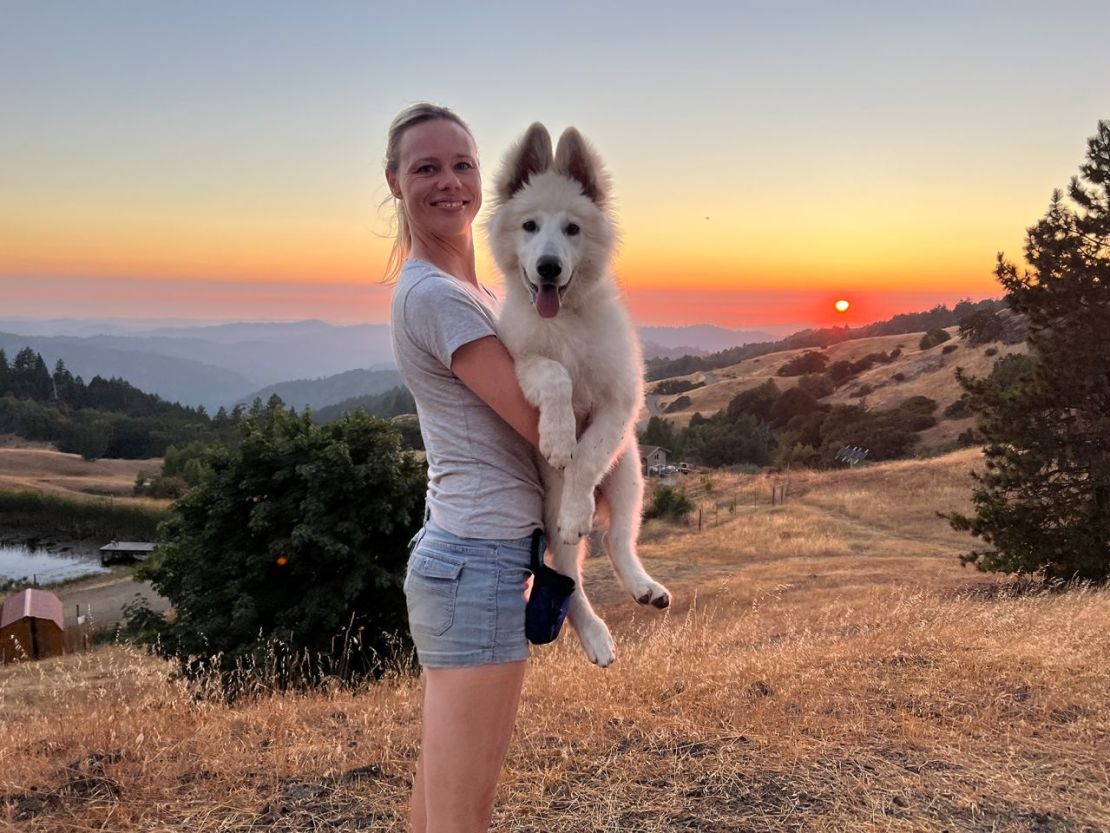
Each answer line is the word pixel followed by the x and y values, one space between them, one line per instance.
pixel 756 402
pixel 191 461
pixel 794 402
pixel 295 540
pixel 915 414
pixel 678 404
pixel 817 385
pixel 669 503
pixel 798 454
pixel 960 409
pixel 934 337
pixel 811 361
pixel 723 443
pixel 886 434
pixel 949 348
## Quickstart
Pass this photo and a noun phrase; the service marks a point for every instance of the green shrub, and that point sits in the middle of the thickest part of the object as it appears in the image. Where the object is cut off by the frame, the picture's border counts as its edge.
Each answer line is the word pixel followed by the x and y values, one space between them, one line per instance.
pixel 794 402
pixel 933 338
pixel 669 503
pixel 960 409
pixel 678 404
pixel 811 361
pixel 294 542
pixel 818 385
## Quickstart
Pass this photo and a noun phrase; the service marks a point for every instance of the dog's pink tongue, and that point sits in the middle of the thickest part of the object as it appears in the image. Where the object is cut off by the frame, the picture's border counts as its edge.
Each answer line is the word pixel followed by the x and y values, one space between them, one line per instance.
pixel 547 301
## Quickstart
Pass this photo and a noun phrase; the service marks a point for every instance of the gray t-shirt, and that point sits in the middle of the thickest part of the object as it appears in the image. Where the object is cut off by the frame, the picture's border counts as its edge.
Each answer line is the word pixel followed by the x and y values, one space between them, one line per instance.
pixel 482 476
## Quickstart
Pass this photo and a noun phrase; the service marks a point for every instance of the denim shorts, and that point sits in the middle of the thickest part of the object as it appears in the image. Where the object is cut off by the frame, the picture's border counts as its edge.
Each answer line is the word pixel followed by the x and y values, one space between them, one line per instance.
pixel 465 598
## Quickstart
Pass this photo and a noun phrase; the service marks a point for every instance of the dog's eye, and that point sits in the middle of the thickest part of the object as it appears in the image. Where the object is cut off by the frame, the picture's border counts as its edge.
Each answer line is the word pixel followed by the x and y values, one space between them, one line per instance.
pixel 572 230
pixel 530 226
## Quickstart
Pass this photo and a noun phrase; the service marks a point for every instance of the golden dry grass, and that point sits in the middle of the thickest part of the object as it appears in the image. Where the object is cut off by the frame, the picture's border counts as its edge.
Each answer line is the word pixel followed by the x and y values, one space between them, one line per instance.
pixel 46 470
pixel 928 373
pixel 829 667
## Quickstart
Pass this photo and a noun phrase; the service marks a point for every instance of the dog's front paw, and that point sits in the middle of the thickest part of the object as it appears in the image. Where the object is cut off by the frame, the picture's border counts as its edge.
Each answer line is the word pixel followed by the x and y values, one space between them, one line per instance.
pixel 652 593
pixel 598 643
pixel 576 517
pixel 557 441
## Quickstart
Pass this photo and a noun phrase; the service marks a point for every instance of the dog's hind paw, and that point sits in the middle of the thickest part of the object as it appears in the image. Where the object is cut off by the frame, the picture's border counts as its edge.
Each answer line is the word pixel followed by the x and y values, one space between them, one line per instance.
pixel 654 594
pixel 598 644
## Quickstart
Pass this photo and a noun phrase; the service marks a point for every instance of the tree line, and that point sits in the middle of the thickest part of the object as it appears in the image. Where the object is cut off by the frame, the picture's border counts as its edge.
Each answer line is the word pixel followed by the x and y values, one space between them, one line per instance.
pixel 113 418
pixel 914 322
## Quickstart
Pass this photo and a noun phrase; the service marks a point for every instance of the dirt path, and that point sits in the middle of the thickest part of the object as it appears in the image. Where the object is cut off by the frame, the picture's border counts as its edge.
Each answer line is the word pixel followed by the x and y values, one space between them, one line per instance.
pixel 106 598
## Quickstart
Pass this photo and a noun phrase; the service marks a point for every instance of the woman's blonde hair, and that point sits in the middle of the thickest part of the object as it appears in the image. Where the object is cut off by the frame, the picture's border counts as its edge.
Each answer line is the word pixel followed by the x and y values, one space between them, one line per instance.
pixel 409 117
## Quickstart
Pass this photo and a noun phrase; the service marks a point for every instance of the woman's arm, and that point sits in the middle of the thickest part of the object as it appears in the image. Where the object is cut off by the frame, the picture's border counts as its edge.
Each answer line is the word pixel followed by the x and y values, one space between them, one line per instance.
pixel 487 368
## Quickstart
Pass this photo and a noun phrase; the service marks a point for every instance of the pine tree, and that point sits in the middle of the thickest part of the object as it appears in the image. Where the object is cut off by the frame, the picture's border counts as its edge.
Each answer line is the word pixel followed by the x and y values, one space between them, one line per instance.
pixel 1043 501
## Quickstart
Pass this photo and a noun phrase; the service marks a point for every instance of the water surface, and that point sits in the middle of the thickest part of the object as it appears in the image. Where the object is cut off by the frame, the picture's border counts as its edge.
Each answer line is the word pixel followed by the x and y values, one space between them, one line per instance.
pixel 20 561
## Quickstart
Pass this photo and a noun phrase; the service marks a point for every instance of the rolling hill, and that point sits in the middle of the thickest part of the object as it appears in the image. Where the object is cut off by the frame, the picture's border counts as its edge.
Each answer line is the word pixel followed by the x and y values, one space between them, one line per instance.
pixel 827 666
pixel 915 372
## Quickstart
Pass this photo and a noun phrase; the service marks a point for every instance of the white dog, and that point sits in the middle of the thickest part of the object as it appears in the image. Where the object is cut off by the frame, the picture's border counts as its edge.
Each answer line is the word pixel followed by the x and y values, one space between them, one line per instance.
pixel 577 356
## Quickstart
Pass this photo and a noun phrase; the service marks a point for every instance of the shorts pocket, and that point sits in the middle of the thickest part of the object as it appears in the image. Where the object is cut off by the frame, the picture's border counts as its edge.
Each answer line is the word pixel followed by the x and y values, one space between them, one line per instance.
pixel 431 587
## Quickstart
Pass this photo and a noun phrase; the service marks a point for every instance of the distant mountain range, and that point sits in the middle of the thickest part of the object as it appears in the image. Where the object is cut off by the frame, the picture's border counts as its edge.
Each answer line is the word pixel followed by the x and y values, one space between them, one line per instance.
pixel 699 339
pixel 211 365
pixel 330 390
pixel 305 362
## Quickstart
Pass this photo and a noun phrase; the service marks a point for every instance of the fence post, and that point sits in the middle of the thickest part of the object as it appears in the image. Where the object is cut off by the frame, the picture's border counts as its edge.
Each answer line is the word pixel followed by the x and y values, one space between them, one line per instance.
pixel 699 519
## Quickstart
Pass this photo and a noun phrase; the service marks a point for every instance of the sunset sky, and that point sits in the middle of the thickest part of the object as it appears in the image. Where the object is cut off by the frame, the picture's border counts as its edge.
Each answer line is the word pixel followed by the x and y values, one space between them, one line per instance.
pixel 223 161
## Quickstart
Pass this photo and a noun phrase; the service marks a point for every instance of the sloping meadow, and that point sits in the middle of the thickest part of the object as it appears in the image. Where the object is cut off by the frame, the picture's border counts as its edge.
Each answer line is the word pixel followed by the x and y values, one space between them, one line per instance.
pixel 829 666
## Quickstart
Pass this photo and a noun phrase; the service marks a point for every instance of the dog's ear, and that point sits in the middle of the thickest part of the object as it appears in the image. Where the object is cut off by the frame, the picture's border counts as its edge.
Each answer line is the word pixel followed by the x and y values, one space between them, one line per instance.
pixel 531 155
pixel 575 158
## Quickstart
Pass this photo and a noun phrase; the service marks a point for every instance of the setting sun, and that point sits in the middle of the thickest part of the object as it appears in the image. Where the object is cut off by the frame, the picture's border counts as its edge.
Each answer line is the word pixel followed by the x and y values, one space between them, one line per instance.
pixel 841 306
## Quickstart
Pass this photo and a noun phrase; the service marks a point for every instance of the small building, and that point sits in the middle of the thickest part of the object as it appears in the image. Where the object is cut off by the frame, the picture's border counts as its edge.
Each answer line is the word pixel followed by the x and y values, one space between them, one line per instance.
pixel 125 551
pixel 31 626
pixel 652 455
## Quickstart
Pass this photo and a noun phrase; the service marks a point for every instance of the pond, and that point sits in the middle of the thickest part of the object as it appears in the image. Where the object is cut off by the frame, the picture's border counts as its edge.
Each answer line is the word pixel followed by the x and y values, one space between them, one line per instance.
pixel 22 561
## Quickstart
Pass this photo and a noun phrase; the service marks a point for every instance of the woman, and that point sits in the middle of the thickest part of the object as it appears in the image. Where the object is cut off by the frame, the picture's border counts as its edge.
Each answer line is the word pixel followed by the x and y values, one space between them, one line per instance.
pixel 469 563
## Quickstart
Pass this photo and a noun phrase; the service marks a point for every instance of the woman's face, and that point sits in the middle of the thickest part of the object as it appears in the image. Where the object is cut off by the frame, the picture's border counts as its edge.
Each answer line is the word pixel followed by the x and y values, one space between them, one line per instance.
pixel 437 178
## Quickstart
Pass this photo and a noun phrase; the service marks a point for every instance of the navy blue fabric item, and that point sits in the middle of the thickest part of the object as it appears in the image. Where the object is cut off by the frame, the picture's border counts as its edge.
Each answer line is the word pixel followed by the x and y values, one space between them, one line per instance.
pixel 550 599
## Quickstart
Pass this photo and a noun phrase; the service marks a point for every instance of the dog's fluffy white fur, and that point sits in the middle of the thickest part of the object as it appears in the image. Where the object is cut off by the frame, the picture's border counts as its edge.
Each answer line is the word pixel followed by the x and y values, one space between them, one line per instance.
pixel 577 356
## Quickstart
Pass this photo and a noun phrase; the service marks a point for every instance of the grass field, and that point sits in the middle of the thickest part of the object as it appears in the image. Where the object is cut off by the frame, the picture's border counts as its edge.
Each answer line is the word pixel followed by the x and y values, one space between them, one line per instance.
pixel 46 470
pixel 48 494
pixel 827 666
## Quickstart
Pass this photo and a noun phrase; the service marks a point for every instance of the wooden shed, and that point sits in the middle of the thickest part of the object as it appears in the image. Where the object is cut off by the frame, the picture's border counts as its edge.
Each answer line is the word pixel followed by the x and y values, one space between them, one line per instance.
pixel 31 626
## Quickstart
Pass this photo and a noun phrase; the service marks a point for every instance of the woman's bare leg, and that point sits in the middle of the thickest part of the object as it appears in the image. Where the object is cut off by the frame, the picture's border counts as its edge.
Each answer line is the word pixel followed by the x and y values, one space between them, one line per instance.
pixel 468 720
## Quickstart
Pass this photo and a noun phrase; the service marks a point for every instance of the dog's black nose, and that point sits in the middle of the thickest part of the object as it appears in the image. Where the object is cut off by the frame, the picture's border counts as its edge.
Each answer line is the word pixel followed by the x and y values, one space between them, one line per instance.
pixel 549 268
